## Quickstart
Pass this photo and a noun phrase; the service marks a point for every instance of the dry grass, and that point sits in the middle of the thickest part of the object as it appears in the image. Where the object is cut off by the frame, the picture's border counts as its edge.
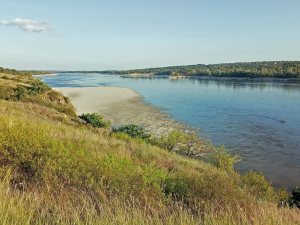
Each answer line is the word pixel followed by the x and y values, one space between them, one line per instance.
pixel 55 172
pixel 13 80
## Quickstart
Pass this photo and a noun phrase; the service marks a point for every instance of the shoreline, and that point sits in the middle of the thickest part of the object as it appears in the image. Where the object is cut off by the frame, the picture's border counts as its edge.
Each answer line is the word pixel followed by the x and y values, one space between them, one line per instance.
pixel 50 74
pixel 247 79
pixel 121 106
pixel 251 79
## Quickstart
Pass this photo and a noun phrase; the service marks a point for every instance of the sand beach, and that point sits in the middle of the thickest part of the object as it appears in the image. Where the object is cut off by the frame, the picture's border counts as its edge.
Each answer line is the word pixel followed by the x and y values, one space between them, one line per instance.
pixel 121 106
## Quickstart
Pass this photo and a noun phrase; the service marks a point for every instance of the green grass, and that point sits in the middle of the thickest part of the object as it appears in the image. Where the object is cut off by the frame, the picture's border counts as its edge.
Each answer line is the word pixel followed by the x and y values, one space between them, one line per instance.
pixel 29 89
pixel 54 172
pixel 54 169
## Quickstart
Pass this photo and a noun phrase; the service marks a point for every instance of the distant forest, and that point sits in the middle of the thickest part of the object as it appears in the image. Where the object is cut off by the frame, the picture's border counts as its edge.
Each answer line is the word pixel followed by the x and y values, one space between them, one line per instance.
pixel 280 69
pixel 23 72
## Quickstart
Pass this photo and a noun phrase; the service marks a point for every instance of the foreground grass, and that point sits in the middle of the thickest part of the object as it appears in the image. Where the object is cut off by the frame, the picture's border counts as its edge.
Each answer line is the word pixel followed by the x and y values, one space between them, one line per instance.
pixel 62 172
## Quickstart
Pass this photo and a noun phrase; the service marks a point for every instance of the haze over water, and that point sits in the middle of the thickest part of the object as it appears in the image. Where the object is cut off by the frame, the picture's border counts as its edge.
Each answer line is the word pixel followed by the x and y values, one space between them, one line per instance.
pixel 244 116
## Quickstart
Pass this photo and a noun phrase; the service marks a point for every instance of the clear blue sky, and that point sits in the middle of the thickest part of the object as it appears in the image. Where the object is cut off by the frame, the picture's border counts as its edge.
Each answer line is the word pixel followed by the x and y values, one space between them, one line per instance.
pixel 102 35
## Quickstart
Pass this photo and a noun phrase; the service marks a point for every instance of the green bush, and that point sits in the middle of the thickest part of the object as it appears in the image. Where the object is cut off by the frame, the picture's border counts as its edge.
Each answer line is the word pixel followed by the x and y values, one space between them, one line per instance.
pixel 257 186
pixel 223 160
pixel 294 200
pixel 17 80
pixel 6 92
pixel 5 77
pixel 67 100
pixel 39 87
pixel 53 95
pixel 95 120
pixel 132 130
pixel 20 92
pixel 171 140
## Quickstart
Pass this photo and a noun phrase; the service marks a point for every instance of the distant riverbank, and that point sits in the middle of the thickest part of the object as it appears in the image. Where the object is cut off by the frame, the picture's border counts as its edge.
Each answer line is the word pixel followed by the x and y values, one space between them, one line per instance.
pixel 121 106
pixel 50 74
pixel 247 79
pixel 251 79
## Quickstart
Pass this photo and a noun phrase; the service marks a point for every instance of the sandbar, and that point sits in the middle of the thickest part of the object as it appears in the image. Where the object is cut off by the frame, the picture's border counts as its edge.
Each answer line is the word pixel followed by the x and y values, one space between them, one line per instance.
pixel 120 106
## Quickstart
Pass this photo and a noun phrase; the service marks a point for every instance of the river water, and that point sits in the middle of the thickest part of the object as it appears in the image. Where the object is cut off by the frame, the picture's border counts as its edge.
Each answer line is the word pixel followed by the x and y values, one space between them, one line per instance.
pixel 244 116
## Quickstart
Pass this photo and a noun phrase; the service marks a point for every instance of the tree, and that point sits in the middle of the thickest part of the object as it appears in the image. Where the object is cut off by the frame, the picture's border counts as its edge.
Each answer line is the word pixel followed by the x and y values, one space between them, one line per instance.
pixel 170 140
pixel 193 145
pixel 223 160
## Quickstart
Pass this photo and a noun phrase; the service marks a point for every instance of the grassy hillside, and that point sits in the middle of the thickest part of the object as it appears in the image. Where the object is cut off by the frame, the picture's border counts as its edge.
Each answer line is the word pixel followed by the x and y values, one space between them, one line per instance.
pixel 25 88
pixel 56 170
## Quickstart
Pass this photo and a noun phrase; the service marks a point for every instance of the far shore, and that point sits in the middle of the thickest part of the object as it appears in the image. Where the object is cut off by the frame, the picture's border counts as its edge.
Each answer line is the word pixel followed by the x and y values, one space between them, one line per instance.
pixel 121 106
pixel 251 79
pixel 136 74
pixel 50 74
pixel 247 79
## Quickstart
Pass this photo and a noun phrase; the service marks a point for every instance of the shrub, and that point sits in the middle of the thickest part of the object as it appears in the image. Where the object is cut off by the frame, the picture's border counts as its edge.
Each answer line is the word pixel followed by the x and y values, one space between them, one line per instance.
pixel 132 130
pixel 170 140
pixel 95 120
pixel 17 80
pixel 21 92
pixel 67 100
pixel 6 92
pixel 294 200
pixel 257 186
pixel 5 77
pixel 223 160
pixel 39 87
pixel 193 145
pixel 53 95
pixel 121 136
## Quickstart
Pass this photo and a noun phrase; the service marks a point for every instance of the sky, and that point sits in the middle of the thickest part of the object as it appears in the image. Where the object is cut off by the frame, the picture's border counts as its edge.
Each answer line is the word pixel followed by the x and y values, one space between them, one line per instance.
pixel 133 34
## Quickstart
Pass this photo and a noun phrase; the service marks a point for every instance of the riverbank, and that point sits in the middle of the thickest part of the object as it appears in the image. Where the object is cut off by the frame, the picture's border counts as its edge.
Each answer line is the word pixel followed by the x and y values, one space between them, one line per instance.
pixel 121 106
pixel 50 74
pixel 248 79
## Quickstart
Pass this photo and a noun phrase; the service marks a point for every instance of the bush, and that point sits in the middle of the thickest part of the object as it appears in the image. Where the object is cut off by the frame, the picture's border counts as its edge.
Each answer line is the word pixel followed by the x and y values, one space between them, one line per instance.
pixel 21 92
pixel 257 186
pixel 95 120
pixel 193 145
pixel 294 200
pixel 223 160
pixel 17 80
pixel 132 130
pixel 5 77
pixel 6 92
pixel 171 140
pixel 67 100
pixel 53 95
pixel 38 87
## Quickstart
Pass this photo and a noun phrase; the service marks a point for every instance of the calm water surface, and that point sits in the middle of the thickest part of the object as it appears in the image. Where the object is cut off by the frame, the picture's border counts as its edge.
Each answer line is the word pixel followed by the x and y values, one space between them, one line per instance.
pixel 243 116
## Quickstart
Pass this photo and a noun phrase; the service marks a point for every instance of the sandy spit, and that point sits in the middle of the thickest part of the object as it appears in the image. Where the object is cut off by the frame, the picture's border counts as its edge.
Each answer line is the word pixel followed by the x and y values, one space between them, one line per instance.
pixel 121 106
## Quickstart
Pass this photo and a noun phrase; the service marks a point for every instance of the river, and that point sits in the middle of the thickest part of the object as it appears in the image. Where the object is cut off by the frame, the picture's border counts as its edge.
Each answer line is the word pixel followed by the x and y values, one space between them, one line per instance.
pixel 243 116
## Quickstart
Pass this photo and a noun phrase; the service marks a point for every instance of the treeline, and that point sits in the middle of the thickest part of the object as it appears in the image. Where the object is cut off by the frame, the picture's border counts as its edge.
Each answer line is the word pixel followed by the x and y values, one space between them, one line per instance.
pixel 23 72
pixel 283 69
pixel 280 69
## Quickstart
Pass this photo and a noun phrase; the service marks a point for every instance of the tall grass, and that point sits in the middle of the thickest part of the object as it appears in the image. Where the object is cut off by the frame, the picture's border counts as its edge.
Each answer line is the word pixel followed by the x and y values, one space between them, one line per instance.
pixel 53 172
